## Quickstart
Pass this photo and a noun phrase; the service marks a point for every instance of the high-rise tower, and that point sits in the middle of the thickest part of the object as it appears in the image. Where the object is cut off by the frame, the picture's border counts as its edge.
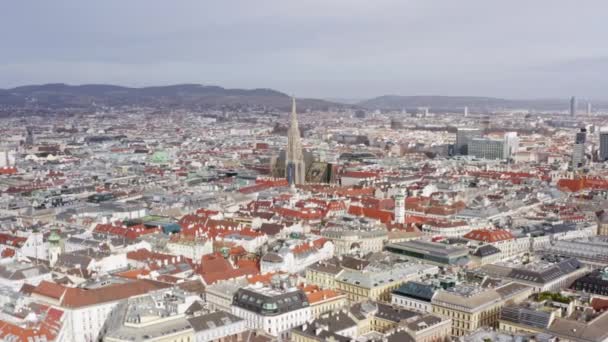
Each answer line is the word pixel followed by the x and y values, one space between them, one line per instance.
pixel 29 138
pixel 578 150
pixel 573 106
pixel 604 144
pixel 463 138
pixel 294 161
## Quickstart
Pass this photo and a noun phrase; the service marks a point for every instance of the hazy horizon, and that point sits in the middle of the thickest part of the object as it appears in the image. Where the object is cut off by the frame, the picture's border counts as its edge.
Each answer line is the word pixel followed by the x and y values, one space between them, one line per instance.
pixel 340 49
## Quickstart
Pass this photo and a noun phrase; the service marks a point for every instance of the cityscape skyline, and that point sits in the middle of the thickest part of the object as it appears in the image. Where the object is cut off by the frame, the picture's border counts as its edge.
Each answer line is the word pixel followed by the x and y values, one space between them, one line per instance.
pixel 242 171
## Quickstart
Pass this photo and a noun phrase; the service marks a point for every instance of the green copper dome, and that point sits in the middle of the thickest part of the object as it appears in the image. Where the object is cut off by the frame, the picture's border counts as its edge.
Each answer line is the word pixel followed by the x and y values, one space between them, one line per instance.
pixel 159 157
pixel 54 237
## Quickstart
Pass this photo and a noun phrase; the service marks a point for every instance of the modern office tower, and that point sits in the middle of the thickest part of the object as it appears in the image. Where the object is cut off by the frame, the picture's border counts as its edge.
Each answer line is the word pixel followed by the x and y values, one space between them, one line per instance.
pixel 423 111
pixel 573 106
pixel 400 207
pixel 604 144
pixel 589 108
pixel 484 148
pixel 511 144
pixel 485 123
pixel 29 138
pixel 396 123
pixel 294 162
pixel 463 137
pixel 578 150
pixel 466 111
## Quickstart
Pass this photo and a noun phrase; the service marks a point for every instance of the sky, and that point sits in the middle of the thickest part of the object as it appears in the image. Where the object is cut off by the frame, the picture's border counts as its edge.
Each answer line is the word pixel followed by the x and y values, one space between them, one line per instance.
pixel 314 48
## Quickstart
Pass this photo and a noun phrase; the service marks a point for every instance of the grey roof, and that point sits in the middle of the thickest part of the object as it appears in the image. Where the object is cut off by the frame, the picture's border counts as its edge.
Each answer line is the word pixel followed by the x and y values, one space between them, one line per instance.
pixel 433 248
pixel 472 298
pixel 270 303
pixel 526 316
pixel 353 263
pixel 21 271
pixel 272 257
pixel 72 260
pixel 362 310
pixel 547 274
pixel 423 322
pixel 395 314
pixel 212 320
pixel 592 331
pixel 195 307
pixel 84 242
pixel 400 336
pixel 486 250
pixel 335 321
pixel 370 278
pixel 416 290
pixel 326 266
pixel 316 333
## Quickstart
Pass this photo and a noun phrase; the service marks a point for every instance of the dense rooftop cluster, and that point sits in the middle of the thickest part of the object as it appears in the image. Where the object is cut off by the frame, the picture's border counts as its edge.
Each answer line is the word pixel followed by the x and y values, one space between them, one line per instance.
pixel 126 224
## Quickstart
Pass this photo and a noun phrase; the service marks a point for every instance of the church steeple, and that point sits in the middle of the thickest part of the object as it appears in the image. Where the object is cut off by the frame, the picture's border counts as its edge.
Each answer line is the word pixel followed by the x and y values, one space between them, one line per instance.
pixel 294 161
pixel 294 114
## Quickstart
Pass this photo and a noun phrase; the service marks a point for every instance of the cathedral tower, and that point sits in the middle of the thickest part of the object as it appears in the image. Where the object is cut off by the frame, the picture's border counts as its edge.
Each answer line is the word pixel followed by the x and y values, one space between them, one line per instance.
pixel 294 161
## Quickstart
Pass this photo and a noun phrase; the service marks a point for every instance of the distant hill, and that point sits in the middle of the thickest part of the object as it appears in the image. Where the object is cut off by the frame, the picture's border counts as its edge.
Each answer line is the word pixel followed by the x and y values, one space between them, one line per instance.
pixel 457 103
pixel 58 95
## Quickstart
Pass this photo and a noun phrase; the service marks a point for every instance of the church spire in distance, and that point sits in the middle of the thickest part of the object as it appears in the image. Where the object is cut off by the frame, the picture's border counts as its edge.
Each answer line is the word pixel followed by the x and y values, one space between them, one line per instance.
pixel 294 161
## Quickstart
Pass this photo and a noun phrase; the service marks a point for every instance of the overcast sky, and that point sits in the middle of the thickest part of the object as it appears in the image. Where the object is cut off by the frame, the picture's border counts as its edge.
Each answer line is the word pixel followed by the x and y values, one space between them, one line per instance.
pixel 314 48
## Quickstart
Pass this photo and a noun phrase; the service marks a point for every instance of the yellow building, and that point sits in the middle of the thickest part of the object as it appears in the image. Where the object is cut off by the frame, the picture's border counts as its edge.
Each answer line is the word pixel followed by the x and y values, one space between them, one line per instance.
pixel 323 274
pixel 472 307
pixel 377 284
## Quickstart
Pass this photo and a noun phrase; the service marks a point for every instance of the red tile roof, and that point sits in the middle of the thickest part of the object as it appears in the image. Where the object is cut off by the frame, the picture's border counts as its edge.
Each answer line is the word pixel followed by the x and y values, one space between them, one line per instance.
pixel 599 304
pixel 381 215
pixel 46 330
pixel 262 278
pixel 487 235
pixel 579 184
pixel 360 174
pixel 215 268
pixel 12 240
pixel 305 214
pixel 118 229
pixel 133 274
pixel 156 260
pixel 76 297
pixel 7 253
pixel 8 170
pixel 321 295
pixel 49 289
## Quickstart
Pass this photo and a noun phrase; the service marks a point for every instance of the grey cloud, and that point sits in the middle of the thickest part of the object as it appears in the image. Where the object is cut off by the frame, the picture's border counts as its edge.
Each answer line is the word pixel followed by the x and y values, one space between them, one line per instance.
pixel 338 48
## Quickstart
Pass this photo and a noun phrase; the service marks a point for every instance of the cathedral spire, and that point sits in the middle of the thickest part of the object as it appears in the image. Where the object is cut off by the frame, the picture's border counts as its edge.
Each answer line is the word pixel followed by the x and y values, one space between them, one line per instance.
pixel 294 116
pixel 294 161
